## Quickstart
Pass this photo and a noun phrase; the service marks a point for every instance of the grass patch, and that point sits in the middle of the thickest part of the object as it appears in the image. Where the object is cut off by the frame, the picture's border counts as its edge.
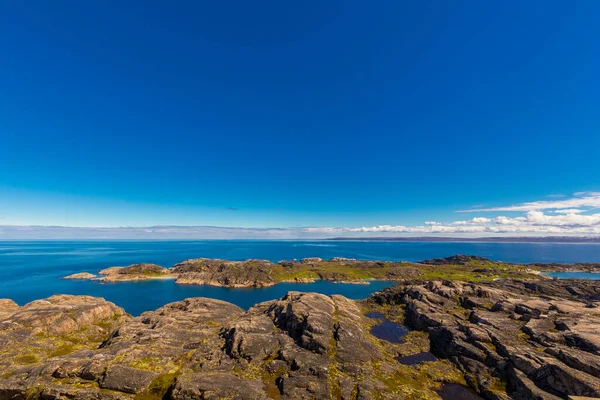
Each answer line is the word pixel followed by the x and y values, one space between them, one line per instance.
pixel 7 374
pixel 27 359
pixel 62 350
pixel 158 388
pixel 151 364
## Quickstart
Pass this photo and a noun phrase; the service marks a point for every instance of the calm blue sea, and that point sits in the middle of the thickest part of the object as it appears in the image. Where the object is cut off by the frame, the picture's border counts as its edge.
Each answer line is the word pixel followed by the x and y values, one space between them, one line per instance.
pixel 32 270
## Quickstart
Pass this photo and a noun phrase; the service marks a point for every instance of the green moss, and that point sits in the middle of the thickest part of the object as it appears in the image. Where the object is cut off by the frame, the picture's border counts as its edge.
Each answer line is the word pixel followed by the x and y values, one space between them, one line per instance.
pixel 270 378
pixel 367 270
pixel 419 382
pixel 272 390
pixel 158 387
pixel 498 385
pixel 7 374
pixel 106 325
pixel 62 350
pixel 335 390
pixel 76 383
pixel 33 392
pixel 27 359
pixel 151 364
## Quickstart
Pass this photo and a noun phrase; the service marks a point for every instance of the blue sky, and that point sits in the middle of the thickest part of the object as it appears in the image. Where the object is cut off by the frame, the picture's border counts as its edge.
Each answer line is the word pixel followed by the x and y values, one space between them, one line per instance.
pixel 309 114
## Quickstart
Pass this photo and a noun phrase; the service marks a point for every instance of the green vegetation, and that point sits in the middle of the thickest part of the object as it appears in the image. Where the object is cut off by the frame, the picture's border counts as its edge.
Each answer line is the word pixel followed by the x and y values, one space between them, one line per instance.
pixel 26 359
pixel 7 374
pixel 354 270
pixel 62 350
pixel 153 364
pixel 158 388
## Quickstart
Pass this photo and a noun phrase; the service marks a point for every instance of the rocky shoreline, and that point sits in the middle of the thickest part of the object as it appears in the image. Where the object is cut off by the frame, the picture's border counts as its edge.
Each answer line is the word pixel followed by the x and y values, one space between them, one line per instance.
pixel 263 273
pixel 504 339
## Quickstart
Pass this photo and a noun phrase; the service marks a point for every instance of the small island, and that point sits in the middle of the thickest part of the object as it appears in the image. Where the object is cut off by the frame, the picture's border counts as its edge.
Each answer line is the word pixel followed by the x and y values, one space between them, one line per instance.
pixel 263 273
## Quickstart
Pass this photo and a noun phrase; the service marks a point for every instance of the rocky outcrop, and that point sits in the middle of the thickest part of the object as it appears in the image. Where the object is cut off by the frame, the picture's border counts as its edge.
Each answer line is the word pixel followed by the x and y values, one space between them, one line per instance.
pixel 304 345
pixel 261 273
pixel 458 259
pixel 539 338
pixel 80 275
pixel 134 272
pixel 204 271
pixel 507 339
pixel 485 265
pixel 35 337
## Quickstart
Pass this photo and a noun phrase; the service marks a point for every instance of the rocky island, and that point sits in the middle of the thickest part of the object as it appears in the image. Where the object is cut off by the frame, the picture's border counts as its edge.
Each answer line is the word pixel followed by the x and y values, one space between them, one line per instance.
pixel 519 337
pixel 262 273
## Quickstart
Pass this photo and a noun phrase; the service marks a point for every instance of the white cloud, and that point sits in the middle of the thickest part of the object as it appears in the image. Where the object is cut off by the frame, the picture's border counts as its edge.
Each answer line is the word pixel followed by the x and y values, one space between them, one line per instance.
pixel 586 194
pixel 581 199
pixel 570 216
pixel 570 211
pixel 557 220
pixel 474 221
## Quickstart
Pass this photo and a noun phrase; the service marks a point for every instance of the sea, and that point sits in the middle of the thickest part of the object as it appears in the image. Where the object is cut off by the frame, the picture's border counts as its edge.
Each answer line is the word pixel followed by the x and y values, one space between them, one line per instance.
pixel 31 270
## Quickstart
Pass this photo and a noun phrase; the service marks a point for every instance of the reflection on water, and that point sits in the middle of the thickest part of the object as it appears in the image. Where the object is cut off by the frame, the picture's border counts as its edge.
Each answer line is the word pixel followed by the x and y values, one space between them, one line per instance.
pixel 417 358
pixel 388 330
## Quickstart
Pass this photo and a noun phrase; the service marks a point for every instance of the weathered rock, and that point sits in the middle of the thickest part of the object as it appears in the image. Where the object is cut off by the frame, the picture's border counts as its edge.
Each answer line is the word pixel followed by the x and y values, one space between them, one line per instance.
pixel 216 386
pixel 40 336
pixel 203 271
pixel 126 379
pixel 305 336
pixel 537 337
pixel 544 346
pixel 458 259
pixel 305 345
pixel 80 275
pixel 134 272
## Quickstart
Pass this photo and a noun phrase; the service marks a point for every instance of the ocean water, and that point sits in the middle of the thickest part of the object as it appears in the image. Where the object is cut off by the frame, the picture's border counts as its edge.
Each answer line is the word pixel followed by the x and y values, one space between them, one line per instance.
pixel 32 270
pixel 592 276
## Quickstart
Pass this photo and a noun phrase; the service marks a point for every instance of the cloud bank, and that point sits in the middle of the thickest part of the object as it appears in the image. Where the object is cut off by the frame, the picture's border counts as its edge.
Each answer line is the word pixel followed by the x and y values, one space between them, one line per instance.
pixel 573 215
pixel 580 199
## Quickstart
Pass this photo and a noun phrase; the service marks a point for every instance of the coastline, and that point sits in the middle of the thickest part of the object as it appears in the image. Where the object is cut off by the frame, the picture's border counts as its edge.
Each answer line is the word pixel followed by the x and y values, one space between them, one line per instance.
pixel 254 273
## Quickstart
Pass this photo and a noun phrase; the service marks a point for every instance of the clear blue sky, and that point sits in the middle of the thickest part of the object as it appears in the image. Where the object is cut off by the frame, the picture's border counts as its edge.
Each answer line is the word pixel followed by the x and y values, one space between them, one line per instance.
pixel 284 114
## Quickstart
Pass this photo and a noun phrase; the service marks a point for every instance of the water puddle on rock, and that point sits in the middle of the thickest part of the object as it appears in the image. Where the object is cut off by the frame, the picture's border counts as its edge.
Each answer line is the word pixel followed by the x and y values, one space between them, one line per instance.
pixel 453 391
pixel 417 358
pixel 388 330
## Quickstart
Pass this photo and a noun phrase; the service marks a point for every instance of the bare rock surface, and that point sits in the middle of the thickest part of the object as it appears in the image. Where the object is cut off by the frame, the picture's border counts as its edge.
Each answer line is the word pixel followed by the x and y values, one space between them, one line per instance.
pixel 302 346
pixel 540 339
pixel 80 275
pixel 35 338
pixel 519 339
pixel 134 272
pixel 201 271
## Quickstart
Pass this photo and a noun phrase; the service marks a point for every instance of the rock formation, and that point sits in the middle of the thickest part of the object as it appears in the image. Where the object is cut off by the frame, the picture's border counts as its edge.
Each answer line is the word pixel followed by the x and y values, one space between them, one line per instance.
pixel 505 339
pixel 204 271
pixel 305 345
pixel 135 272
pixel 262 273
pixel 539 340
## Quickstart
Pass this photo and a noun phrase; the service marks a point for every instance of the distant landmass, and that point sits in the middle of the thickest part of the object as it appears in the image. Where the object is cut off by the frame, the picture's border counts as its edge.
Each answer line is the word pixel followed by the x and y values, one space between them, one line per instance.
pixel 517 239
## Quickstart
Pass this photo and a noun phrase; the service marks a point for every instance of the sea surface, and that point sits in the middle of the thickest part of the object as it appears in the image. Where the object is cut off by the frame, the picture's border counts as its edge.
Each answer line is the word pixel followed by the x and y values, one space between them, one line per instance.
pixel 592 276
pixel 31 270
